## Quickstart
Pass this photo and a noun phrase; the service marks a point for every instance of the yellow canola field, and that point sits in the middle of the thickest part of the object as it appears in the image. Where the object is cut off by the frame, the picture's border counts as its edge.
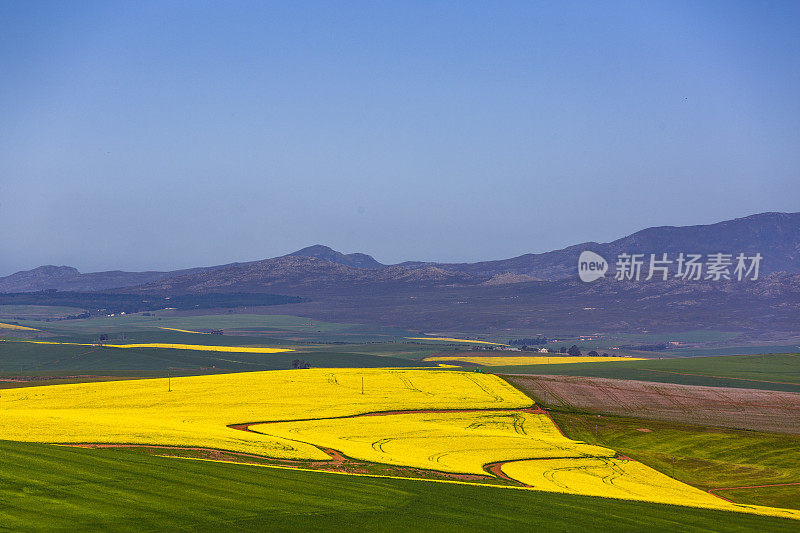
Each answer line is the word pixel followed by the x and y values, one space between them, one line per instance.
pixel 16 327
pixel 199 408
pixel 198 347
pixel 184 330
pixel 622 479
pixel 448 339
pixel 458 442
pixel 530 360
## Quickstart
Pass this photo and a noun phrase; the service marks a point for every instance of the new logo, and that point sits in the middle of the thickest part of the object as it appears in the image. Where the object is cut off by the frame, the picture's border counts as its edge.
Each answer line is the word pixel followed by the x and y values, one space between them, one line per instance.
pixel 591 266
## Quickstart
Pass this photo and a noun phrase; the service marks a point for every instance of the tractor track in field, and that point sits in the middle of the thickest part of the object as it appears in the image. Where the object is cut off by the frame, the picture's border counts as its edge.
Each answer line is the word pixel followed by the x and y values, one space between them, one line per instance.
pixel 496 469
pixel 338 458
pixel 532 409
pixel 493 469
pixel 338 461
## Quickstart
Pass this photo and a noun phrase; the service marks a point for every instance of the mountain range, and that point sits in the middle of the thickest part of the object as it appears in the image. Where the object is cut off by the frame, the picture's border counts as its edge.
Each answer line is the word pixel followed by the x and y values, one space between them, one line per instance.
pixel 531 292
pixel 776 236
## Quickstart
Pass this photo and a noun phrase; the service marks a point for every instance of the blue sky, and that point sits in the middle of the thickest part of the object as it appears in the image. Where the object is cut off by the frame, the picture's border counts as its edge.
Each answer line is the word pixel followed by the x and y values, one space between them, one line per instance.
pixel 158 135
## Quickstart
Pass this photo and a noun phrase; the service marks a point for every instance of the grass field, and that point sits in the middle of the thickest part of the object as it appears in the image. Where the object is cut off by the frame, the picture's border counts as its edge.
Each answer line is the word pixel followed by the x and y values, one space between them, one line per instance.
pixel 708 458
pixel 179 327
pixel 50 488
pixel 37 312
pixel 738 350
pixel 138 321
pixel 771 372
pixel 52 360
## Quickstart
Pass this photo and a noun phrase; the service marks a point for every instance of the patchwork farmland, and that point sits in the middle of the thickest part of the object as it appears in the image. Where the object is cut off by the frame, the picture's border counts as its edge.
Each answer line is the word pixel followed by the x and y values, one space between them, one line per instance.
pixel 381 407
pixel 451 422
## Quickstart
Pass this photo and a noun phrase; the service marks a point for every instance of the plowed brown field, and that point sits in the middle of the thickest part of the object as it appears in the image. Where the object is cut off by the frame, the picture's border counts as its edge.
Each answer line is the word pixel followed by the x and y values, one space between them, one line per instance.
pixel 752 409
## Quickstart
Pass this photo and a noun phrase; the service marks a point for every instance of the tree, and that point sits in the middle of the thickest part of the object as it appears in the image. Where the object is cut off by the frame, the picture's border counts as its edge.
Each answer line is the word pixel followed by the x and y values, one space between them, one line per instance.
pixel 574 351
pixel 593 354
pixel 563 349
pixel 605 354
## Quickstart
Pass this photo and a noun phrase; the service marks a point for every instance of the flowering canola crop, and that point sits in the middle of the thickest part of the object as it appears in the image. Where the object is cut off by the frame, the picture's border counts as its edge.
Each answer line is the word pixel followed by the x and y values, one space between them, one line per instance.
pixel 198 409
pixel 185 330
pixel 16 327
pixel 197 347
pixel 529 360
pixel 624 479
pixel 460 442
pixel 448 339
pixel 303 410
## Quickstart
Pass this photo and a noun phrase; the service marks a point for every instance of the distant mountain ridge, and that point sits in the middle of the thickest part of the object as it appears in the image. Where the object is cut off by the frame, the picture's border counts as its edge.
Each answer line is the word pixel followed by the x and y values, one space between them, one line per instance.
pixel 324 253
pixel 66 278
pixel 775 235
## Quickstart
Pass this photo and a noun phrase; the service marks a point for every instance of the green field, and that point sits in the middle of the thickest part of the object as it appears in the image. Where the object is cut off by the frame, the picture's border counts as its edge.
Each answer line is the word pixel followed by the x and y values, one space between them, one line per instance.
pixel 36 312
pixel 738 350
pixel 50 488
pixel 27 359
pixel 235 325
pixel 693 343
pixel 320 344
pixel 770 372
pixel 705 457
pixel 563 337
pixel 170 319
pixel 57 488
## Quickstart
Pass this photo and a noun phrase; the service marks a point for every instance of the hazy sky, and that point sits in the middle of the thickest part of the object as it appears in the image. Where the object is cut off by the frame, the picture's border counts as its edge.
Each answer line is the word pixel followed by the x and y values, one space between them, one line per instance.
pixel 157 135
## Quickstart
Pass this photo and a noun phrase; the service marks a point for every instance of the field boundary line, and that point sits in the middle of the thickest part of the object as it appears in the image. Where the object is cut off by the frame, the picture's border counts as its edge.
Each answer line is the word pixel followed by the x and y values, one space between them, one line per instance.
pixel 533 409
pixel 738 507
pixel 719 377
pixel 358 474
pixel 756 486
